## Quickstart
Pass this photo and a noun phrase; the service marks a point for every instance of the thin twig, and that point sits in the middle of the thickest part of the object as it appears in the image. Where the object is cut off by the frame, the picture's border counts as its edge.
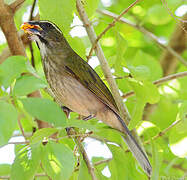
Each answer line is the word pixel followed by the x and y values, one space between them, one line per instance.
pixel 16 5
pixel 36 175
pixel 97 163
pixel 110 26
pixel 32 10
pixel 102 161
pixel 21 142
pixel 170 77
pixel 160 81
pixel 146 32
pixel 30 43
pixel 163 132
pixel 85 135
pixel 176 166
pixel 21 127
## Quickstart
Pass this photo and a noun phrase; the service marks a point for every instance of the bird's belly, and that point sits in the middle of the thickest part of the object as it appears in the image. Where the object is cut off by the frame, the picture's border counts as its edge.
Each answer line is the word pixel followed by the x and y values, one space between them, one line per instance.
pixel 71 93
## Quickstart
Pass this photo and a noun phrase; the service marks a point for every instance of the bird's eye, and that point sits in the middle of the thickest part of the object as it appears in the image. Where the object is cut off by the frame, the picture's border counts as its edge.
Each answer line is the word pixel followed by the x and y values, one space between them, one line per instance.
pixel 48 25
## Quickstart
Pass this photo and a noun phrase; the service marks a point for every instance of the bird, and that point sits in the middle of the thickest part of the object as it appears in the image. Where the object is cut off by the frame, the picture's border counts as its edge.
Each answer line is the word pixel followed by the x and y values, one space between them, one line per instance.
pixel 77 86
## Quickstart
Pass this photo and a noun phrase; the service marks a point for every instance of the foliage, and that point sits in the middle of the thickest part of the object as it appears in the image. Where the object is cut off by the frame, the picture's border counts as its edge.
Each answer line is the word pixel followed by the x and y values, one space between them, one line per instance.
pixel 135 61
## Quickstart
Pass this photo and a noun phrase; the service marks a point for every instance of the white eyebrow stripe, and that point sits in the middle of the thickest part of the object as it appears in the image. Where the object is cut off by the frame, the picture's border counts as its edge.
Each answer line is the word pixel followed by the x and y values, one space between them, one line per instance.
pixel 53 26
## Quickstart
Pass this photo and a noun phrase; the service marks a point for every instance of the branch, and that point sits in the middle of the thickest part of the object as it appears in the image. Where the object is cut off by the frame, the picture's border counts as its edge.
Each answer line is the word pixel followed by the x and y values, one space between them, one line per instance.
pixel 147 33
pixel 30 43
pixel 36 175
pixel 24 37
pixel 32 10
pixel 104 64
pixel 105 68
pixel 78 140
pixel 110 26
pixel 160 81
pixel 16 5
pixel 178 41
pixel 9 29
pixel 170 77
pixel 161 133
pixel 102 161
pixel 176 166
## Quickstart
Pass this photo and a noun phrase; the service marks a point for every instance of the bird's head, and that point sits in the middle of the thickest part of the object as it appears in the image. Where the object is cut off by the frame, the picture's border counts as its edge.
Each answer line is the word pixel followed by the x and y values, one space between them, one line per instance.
pixel 42 31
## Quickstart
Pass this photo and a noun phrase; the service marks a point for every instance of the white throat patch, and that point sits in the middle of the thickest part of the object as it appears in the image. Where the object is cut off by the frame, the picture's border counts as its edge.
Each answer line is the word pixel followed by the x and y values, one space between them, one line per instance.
pixel 41 45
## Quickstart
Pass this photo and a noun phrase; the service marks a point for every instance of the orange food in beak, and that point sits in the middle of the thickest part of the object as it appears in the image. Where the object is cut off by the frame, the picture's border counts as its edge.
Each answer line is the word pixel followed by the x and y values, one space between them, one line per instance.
pixel 26 27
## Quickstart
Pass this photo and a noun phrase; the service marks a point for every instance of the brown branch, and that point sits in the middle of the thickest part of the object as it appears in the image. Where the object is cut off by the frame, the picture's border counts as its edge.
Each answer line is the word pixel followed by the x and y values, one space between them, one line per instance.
pixel 161 133
pixel 16 5
pixel 160 81
pixel 110 26
pixel 176 166
pixel 104 64
pixel 169 49
pixel 102 161
pixel 178 43
pixel 14 41
pixel 24 37
pixel 85 157
pixel 170 77
pixel 105 68
pixel 9 29
pixel 78 140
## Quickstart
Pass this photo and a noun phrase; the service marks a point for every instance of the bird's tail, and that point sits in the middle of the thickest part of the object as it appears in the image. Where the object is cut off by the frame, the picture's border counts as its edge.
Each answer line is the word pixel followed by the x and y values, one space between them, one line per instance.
pixel 136 150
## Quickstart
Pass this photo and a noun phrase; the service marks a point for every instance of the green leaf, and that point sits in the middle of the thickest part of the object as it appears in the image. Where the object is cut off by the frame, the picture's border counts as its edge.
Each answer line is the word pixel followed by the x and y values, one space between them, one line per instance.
pixel 147 129
pixel 100 167
pixel 45 109
pixel 157 160
pixel 12 68
pixel 178 139
pixel 143 59
pixel 27 84
pixel 121 48
pixel 157 11
pixel 160 117
pixel 8 121
pixel 40 134
pixel 137 114
pixel 5 169
pixel 58 161
pixel 182 114
pixel 82 124
pixel 140 72
pixel 90 6
pixel 118 171
pixel 83 171
pixel 145 90
pixel 26 163
pixel 60 12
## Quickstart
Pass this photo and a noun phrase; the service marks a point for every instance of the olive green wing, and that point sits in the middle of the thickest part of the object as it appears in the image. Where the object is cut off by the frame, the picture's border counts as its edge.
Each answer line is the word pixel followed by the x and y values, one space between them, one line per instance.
pixel 84 73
